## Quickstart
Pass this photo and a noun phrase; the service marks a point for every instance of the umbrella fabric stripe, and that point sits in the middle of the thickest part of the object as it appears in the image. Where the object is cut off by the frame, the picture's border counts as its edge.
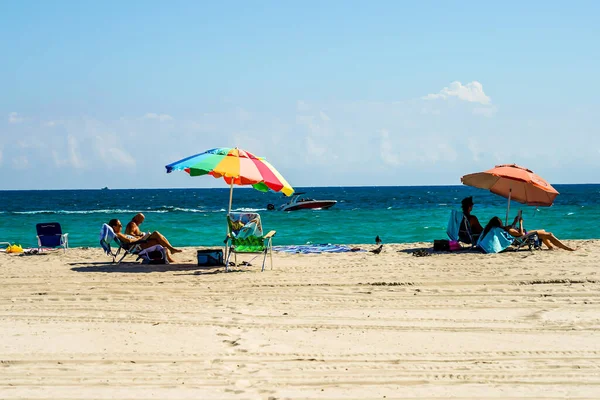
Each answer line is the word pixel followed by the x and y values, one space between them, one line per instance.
pixel 204 165
pixel 230 167
pixel 235 166
pixel 191 161
pixel 268 176
pixel 287 188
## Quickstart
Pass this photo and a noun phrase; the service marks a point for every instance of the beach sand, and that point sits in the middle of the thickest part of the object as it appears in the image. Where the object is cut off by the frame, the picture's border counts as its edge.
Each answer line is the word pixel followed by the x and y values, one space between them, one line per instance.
pixel 351 325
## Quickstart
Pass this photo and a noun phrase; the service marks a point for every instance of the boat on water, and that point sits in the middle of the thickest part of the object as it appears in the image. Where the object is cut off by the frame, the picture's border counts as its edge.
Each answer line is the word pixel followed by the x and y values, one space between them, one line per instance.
pixel 303 203
pixel 105 188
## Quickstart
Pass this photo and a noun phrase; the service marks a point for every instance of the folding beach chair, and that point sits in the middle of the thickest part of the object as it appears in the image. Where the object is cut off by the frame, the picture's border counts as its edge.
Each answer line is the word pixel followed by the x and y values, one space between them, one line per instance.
pixel 498 240
pixel 50 235
pixel 459 228
pixel 246 236
pixel 107 236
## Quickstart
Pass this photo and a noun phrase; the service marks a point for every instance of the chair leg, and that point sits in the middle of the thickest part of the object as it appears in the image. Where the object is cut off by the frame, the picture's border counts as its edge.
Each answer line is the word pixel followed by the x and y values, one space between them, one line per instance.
pixel 271 252
pixel 264 260
pixel 121 259
pixel 227 260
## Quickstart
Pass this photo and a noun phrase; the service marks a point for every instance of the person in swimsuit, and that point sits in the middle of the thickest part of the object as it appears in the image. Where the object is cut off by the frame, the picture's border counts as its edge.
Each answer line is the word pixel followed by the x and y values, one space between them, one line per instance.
pixel 133 227
pixel 153 239
pixel 467 207
pixel 546 237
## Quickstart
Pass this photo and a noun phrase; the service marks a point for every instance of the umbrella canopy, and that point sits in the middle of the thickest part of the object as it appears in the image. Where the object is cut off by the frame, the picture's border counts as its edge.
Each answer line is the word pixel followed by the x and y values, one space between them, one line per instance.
pixel 235 166
pixel 514 182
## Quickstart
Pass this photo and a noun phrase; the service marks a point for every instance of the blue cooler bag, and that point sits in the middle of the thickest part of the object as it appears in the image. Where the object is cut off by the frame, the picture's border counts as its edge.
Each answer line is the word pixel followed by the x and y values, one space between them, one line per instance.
pixel 210 257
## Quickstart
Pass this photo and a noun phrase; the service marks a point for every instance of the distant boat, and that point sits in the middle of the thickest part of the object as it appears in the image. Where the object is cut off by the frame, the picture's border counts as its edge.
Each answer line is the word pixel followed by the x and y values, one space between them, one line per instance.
pixel 105 188
pixel 298 203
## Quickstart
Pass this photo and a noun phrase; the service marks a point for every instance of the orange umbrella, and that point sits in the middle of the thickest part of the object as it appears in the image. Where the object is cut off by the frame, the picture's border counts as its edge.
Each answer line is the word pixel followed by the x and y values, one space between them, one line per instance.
pixel 514 182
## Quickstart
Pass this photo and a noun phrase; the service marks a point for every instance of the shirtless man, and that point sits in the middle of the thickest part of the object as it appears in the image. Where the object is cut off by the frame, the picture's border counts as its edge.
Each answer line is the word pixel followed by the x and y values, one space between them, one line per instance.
pixel 152 239
pixel 467 207
pixel 133 227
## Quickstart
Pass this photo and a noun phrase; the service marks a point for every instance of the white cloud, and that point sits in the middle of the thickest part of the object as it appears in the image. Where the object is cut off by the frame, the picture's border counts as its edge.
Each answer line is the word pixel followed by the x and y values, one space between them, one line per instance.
pixel 14 118
pixel 485 111
pixel 471 92
pixel 74 157
pixel 121 157
pixel 160 117
pixel 302 106
pixel 474 148
pixel 113 155
pixel 20 162
pixel 386 151
pixel 324 116
pixel 51 124
pixel 314 149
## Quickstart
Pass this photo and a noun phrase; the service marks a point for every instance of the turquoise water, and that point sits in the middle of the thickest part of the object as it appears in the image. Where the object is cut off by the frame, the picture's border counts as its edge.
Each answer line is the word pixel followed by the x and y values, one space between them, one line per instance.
pixel 196 217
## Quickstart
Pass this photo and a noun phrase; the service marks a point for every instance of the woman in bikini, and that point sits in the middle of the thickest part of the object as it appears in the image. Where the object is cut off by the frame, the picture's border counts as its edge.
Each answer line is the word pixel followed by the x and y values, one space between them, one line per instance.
pixel 546 237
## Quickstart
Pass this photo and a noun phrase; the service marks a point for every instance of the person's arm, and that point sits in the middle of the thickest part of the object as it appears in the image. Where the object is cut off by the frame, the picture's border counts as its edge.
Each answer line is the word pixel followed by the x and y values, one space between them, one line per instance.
pixel 125 239
pixel 515 232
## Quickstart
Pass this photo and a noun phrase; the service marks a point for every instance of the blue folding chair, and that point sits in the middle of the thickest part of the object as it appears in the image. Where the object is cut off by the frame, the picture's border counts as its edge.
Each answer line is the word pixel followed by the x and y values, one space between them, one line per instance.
pixel 498 240
pixel 107 235
pixel 50 235
pixel 459 228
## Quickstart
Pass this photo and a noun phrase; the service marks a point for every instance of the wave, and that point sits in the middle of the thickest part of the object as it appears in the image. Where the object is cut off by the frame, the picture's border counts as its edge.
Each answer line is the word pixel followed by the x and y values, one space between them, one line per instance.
pixel 115 211
pixel 106 211
pixel 158 210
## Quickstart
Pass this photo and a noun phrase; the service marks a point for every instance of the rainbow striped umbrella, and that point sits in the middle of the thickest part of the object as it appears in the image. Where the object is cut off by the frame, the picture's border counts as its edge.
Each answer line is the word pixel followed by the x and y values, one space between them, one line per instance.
pixel 235 166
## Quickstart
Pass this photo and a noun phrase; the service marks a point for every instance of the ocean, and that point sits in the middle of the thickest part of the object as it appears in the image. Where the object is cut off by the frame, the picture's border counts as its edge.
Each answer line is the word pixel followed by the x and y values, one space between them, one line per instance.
pixel 196 217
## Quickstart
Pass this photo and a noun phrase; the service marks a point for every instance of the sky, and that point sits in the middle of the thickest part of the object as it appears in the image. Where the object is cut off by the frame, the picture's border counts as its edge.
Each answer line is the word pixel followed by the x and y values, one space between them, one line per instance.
pixel 332 93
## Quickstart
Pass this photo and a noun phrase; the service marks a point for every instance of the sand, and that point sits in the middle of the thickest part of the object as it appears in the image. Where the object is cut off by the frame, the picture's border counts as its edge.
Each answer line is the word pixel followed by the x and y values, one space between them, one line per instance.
pixel 351 325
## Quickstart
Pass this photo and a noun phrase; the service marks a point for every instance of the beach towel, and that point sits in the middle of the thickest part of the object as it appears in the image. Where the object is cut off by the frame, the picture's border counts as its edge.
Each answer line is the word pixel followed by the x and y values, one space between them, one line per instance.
pixel 107 235
pixel 495 241
pixel 245 225
pixel 456 218
pixel 153 255
pixel 316 249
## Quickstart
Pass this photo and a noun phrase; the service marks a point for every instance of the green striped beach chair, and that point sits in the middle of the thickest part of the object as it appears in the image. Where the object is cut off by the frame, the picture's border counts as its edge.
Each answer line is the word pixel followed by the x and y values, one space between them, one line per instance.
pixel 245 235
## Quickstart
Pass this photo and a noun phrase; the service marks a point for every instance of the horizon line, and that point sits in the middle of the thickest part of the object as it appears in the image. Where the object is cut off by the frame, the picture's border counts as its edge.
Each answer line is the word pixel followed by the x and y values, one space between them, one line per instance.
pixel 250 187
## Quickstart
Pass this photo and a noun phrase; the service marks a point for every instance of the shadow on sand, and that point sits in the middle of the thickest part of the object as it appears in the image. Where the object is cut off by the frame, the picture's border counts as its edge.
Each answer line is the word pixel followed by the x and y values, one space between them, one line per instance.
pixel 432 252
pixel 136 268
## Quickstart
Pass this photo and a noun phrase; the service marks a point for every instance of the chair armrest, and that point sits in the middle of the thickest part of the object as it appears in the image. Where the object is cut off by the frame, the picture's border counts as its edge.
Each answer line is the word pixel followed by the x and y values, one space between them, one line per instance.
pixel 269 235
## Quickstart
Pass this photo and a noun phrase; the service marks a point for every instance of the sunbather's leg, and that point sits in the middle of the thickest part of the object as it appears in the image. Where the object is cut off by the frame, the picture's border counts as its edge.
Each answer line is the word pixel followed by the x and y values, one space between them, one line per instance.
pixel 549 239
pixel 169 257
pixel 160 239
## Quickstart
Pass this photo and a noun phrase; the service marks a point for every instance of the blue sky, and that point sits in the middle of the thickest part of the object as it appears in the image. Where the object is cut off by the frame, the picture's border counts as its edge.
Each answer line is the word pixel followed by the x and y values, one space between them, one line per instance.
pixel 333 93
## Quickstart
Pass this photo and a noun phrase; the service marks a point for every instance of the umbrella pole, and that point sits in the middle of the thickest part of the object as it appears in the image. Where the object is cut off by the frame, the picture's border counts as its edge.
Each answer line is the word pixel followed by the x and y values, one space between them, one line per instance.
pixel 230 195
pixel 508 206
pixel 228 212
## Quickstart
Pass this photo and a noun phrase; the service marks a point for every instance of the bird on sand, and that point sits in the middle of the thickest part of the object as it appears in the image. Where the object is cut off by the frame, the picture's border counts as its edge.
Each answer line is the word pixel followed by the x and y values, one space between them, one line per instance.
pixel 377 239
pixel 377 250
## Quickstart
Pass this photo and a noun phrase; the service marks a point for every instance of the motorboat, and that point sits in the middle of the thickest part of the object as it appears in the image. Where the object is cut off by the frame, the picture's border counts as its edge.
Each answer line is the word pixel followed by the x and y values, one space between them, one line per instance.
pixel 297 202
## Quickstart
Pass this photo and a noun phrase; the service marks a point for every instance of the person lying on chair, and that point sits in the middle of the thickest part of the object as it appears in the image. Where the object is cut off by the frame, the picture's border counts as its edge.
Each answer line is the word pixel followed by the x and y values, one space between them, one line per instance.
pixel 153 239
pixel 133 227
pixel 546 237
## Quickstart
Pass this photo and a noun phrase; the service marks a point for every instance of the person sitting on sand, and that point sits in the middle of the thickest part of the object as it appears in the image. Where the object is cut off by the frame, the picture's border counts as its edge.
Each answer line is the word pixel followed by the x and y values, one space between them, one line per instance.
pixel 476 228
pixel 546 237
pixel 152 239
pixel 133 227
